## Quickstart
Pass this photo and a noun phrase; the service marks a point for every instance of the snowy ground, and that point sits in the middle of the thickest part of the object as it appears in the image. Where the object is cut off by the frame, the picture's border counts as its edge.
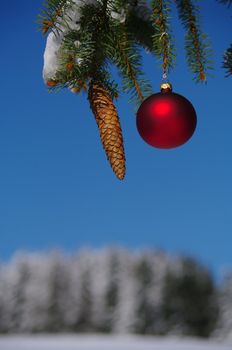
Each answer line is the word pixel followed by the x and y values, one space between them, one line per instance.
pixel 67 342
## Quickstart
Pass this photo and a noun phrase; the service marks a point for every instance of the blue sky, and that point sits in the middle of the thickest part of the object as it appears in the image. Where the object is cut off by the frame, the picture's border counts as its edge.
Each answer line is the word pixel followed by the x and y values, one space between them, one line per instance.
pixel 56 187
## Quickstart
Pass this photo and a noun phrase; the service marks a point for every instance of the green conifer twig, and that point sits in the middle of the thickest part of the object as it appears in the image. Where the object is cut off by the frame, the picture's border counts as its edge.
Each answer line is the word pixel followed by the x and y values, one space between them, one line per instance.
pixel 195 42
pixel 162 38
pixel 227 64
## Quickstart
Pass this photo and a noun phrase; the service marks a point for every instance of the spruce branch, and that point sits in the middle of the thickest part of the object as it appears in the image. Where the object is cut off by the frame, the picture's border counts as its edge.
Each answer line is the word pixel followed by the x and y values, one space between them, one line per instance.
pixel 225 2
pixel 196 43
pixel 75 58
pixel 129 68
pixel 95 22
pixel 87 37
pixel 52 14
pixel 162 38
pixel 227 64
pixel 134 23
pixel 227 57
pixel 101 93
pixel 124 53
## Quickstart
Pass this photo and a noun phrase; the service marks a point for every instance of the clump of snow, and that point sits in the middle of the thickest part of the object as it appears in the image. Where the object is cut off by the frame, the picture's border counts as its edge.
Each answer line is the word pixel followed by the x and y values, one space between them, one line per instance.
pixel 54 40
pixel 51 55
pixel 121 17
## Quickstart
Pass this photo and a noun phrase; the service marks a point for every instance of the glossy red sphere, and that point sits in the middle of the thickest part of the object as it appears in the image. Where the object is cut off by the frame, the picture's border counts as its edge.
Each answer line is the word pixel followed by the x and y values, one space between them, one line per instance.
pixel 166 120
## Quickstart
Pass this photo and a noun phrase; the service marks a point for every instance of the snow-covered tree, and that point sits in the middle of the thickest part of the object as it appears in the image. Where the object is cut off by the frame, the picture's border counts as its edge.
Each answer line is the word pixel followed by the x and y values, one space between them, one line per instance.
pixel 126 303
pixel 224 327
pixel 14 284
pixel 150 271
pixel 106 289
pixel 190 302
pixel 58 285
pixel 144 309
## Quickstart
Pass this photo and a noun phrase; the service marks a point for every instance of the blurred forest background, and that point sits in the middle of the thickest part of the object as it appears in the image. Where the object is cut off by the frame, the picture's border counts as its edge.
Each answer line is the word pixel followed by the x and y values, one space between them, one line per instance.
pixel 113 290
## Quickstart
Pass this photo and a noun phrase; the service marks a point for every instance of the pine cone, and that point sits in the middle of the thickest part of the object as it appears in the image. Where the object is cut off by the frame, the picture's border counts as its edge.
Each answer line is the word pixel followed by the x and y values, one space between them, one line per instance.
pixel 108 123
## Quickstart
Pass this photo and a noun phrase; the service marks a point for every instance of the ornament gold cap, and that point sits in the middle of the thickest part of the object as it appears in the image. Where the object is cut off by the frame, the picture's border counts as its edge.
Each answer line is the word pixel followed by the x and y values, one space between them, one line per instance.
pixel 166 87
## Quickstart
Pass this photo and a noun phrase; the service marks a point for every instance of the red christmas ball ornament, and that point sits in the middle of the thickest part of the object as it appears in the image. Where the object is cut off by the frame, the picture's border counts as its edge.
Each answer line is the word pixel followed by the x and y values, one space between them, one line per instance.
pixel 166 119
